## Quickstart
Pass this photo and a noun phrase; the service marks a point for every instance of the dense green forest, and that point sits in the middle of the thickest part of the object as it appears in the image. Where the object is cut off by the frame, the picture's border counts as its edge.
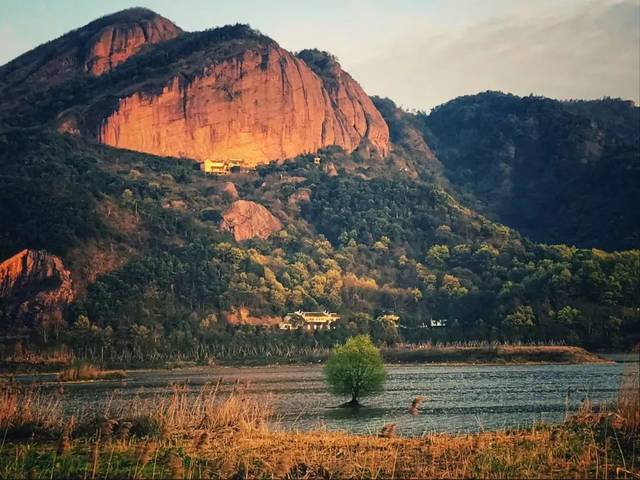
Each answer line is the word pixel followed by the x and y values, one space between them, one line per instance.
pixel 558 172
pixel 368 243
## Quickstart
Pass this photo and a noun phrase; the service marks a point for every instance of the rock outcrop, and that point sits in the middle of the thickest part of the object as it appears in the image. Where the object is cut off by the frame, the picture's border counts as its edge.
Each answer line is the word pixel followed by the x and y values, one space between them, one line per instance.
pixel 35 287
pixel 248 220
pixel 94 49
pixel 330 169
pixel 115 43
pixel 300 195
pixel 261 105
pixel 230 191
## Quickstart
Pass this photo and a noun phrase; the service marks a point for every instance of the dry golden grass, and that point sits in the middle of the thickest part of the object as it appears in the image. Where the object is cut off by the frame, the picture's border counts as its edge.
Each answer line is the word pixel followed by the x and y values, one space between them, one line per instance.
pixel 88 372
pixel 204 434
pixel 24 410
pixel 184 412
pixel 24 356
pixel 625 417
pixel 551 452
pixel 628 403
pixel 558 452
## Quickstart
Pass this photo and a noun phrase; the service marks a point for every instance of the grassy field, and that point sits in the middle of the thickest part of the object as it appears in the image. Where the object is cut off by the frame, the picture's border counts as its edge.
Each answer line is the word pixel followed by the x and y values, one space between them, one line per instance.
pixel 206 434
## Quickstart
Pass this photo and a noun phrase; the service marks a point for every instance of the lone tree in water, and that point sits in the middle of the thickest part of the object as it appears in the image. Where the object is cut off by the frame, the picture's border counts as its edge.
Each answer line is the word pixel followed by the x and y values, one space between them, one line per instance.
pixel 355 369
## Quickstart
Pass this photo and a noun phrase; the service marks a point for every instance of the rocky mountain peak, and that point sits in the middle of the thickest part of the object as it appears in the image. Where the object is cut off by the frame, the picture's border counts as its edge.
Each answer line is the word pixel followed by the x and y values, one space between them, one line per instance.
pixel 124 35
pixel 93 50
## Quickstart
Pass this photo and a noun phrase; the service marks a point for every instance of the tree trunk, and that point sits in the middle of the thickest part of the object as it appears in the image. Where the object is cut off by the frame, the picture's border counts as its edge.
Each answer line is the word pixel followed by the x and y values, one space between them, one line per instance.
pixel 353 403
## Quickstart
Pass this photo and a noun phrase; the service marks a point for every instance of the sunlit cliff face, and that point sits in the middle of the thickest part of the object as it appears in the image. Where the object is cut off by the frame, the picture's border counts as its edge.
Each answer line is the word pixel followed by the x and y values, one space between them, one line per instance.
pixel 35 286
pixel 248 109
pixel 114 44
pixel 228 94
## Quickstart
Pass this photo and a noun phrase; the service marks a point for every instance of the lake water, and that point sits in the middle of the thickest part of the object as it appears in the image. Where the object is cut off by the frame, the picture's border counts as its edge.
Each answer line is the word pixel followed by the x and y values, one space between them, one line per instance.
pixel 457 398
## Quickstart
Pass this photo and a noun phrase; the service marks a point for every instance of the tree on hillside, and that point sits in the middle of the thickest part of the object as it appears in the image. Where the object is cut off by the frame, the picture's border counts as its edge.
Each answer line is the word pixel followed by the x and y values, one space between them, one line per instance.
pixel 519 324
pixel 355 369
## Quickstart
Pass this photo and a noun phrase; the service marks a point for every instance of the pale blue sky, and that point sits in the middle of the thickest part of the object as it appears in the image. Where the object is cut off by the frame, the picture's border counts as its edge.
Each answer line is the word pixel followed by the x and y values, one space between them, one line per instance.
pixel 418 52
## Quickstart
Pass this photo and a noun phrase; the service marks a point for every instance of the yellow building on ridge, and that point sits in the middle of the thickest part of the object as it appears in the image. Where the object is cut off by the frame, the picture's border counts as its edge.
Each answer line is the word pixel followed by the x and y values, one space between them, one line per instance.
pixel 220 167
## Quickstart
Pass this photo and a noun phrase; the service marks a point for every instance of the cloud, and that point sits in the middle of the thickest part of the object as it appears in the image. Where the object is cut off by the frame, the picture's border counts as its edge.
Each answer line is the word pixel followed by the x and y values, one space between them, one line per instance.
pixel 574 50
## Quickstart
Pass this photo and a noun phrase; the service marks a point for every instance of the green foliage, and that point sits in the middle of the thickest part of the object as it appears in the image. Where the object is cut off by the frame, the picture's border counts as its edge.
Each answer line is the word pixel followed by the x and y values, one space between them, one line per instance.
pixel 355 368
pixel 345 208
pixel 520 322
pixel 361 247
pixel 324 64
pixel 47 194
pixel 559 172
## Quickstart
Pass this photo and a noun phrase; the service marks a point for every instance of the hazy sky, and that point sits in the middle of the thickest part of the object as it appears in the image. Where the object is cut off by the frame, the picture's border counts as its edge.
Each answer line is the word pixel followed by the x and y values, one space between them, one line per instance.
pixel 420 53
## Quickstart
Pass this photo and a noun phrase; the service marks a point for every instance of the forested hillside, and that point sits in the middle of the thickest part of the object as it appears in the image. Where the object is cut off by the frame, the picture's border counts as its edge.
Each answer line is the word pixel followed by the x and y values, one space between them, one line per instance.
pixel 155 278
pixel 559 172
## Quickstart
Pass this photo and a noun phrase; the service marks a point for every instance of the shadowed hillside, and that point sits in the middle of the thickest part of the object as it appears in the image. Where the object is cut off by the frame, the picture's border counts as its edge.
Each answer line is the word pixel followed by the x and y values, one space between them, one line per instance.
pixel 560 172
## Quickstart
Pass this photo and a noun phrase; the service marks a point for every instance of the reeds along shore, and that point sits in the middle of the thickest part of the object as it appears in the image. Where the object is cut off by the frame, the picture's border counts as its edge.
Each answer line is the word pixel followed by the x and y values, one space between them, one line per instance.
pixel 447 352
pixel 486 352
pixel 207 434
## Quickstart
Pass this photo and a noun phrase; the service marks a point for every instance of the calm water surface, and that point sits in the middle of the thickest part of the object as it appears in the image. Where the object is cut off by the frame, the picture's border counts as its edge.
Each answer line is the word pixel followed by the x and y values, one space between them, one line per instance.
pixel 457 398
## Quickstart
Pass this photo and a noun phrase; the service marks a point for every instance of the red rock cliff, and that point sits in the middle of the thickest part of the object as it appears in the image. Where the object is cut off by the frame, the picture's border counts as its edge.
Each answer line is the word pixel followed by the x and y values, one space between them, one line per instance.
pixel 258 106
pixel 116 43
pixel 34 286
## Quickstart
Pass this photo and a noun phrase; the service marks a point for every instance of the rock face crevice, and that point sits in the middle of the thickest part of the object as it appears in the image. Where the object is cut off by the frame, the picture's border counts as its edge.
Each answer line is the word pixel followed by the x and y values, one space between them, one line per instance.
pixel 261 105
pixel 35 287
pixel 247 220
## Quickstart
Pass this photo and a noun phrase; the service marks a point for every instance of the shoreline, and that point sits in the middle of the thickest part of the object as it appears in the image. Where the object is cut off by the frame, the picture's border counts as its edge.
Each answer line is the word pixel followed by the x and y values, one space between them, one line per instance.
pixel 213 433
pixel 435 356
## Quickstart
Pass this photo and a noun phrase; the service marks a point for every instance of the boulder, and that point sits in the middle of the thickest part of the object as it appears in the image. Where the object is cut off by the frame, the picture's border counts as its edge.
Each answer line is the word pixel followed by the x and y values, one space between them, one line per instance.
pixel 248 220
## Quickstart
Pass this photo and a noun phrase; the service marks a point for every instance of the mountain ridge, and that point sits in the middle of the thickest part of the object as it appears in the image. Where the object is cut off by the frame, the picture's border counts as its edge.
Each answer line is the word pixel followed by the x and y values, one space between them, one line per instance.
pixel 560 172
pixel 85 50
pixel 241 96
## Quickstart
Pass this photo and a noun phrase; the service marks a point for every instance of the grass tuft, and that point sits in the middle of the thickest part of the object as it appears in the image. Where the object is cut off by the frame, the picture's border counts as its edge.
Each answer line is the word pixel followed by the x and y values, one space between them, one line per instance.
pixel 87 371
pixel 25 412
